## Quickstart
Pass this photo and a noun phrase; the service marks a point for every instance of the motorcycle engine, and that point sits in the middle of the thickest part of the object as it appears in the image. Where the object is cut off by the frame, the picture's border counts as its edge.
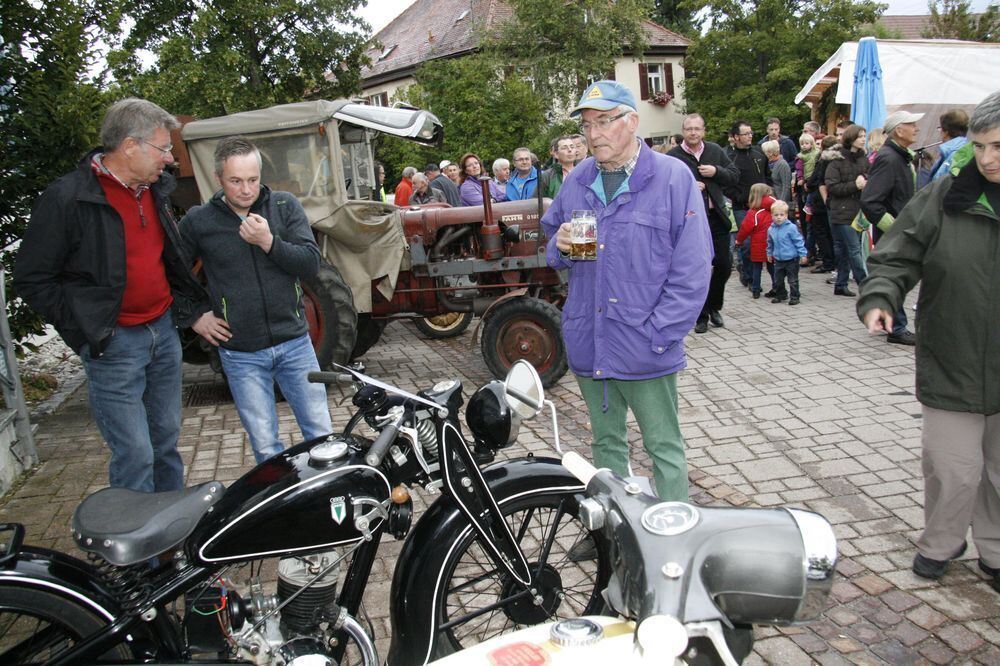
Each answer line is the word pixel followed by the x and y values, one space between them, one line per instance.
pixel 300 633
pixel 304 612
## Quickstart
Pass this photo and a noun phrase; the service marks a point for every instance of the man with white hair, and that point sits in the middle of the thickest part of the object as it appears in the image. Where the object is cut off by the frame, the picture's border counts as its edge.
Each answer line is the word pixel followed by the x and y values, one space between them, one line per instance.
pixel 891 182
pixel 946 239
pixel 423 193
pixel 501 172
pixel 628 312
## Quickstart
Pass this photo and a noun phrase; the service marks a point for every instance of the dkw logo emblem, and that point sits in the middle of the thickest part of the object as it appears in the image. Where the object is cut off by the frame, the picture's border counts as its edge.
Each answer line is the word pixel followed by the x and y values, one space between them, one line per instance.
pixel 338 509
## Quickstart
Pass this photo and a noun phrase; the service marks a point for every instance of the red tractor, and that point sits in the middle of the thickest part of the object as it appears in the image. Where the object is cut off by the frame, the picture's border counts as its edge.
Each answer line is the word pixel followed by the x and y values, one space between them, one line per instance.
pixel 437 265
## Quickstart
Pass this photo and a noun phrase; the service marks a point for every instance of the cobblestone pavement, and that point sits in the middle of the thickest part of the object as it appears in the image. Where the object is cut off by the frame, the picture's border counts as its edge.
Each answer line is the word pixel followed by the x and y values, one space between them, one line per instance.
pixel 792 406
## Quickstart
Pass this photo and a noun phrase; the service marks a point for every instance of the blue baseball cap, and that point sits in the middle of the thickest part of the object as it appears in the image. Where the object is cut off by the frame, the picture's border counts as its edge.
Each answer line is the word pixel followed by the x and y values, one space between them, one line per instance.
pixel 604 96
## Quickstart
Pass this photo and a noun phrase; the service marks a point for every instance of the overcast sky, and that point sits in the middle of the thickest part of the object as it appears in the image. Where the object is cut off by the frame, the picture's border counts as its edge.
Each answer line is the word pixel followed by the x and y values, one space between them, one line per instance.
pixel 380 12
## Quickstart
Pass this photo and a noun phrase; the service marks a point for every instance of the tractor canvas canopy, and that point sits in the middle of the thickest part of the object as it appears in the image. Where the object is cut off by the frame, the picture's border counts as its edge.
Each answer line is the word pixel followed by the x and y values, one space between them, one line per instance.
pixel 297 142
pixel 926 76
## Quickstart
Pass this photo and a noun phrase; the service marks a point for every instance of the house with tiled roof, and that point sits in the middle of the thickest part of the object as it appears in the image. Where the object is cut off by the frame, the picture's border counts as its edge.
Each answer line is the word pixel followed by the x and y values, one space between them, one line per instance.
pixel 905 26
pixel 431 29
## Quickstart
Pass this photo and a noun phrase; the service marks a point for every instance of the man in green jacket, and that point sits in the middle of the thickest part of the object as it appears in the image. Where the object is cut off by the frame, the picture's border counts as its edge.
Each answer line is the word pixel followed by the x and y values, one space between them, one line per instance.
pixel 948 238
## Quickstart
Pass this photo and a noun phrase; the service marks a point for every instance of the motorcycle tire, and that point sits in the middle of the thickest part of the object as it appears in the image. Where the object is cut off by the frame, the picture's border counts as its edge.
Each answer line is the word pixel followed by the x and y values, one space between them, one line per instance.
pixel 472 583
pixel 525 328
pixel 333 321
pixel 35 625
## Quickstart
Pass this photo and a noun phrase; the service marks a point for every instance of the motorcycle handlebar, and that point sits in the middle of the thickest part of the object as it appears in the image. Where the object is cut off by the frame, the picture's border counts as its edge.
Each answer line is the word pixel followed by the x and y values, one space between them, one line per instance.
pixel 323 377
pixel 381 445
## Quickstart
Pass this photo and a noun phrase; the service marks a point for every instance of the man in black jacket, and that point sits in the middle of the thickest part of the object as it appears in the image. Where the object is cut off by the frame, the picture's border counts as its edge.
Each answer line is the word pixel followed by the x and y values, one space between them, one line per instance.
pixel 100 261
pixel 713 171
pixel 257 247
pixel 891 183
pixel 443 184
pixel 753 168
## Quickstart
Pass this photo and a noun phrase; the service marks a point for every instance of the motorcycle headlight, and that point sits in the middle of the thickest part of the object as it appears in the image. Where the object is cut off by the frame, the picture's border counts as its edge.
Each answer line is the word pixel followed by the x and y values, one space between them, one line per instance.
pixel 819 562
pixel 490 418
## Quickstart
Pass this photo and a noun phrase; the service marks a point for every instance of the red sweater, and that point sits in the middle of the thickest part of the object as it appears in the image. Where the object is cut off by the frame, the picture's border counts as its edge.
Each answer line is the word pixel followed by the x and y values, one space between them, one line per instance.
pixel 147 292
pixel 755 226
pixel 403 192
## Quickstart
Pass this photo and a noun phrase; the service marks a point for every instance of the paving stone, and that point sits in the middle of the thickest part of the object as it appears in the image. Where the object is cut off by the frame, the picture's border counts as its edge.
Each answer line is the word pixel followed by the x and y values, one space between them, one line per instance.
pixel 899 601
pixel 974 603
pixel 960 639
pixel 937 653
pixel 872 584
pixel 926 617
pixel 782 650
pixel 766 470
pixel 908 633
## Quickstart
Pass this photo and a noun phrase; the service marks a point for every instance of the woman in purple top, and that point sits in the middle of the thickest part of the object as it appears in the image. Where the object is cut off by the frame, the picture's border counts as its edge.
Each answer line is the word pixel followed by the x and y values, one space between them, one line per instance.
pixel 471 190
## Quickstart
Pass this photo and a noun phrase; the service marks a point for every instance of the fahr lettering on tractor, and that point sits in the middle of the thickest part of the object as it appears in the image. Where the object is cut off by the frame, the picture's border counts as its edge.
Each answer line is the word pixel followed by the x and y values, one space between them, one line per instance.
pixel 437 265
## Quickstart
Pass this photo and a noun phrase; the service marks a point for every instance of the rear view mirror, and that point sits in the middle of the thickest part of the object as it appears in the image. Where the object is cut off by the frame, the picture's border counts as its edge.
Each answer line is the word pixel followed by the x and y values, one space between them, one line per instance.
pixel 523 388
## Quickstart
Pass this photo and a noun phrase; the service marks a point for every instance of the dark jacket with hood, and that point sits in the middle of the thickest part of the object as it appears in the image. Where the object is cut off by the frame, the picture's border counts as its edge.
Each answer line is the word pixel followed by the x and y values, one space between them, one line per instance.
pixel 258 293
pixel 71 263
pixel 948 239
pixel 726 175
pixel 891 182
pixel 843 196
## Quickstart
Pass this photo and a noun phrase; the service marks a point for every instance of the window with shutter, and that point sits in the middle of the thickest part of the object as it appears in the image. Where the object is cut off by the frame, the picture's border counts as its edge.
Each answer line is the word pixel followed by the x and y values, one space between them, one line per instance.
pixel 643 83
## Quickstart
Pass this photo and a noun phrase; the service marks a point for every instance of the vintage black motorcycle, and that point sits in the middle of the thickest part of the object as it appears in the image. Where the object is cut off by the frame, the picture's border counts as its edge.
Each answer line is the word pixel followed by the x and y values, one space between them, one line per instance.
pixel 273 569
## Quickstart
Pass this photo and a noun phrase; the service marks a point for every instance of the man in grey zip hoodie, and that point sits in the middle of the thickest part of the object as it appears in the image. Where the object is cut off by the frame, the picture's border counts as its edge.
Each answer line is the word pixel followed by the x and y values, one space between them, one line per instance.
pixel 256 247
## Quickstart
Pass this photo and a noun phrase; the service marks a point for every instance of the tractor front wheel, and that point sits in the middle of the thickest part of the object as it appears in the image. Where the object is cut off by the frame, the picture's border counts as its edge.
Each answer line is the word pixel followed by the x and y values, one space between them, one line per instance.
pixel 525 328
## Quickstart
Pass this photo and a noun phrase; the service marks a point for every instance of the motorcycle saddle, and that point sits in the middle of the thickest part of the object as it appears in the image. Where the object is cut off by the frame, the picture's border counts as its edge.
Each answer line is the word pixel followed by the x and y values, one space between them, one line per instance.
pixel 127 527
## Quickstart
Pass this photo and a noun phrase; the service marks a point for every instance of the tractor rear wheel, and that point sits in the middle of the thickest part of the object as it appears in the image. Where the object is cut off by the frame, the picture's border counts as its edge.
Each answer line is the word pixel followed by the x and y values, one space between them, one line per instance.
pixel 369 332
pixel 525 328
pixel 446 325
pixel 333 321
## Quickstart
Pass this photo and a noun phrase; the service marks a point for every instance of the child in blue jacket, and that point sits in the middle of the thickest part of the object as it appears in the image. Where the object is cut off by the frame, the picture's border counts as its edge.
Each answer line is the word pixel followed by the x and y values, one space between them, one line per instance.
pixel 785 249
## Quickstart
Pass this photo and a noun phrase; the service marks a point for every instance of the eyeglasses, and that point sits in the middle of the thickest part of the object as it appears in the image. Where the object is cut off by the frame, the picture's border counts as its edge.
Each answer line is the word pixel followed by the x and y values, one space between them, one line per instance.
pixel 746 134
pixel 601 123
pixel 165 151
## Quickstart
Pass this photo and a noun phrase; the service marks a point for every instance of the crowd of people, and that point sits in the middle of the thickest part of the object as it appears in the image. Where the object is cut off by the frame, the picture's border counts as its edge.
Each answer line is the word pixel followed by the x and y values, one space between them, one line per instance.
pixel 461 183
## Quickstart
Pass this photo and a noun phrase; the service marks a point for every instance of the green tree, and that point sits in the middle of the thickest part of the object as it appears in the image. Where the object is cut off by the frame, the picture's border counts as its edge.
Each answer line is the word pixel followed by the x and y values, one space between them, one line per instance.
pixel 951 19
pixel 483 112
pixel 677 16
pixel 559 46
pixel 219 57
pixel 50 108
pixel 756 57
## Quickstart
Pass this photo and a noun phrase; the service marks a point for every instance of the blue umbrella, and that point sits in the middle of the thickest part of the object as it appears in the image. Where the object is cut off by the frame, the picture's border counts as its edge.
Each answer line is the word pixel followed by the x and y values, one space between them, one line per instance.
pixel 868 97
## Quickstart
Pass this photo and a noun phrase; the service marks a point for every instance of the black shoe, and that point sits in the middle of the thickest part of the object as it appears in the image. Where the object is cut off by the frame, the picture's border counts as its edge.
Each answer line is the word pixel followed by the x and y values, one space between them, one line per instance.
pixel 793 301
pixel 905 338
pixel 716 318
pixel 701 326
pixel 778 299
pixel 821 269
pixel 745 282
pixel 756 295
pixel 987 569
pixel 770 294
pixel 925 567
pixel 843 292
pixel 584 550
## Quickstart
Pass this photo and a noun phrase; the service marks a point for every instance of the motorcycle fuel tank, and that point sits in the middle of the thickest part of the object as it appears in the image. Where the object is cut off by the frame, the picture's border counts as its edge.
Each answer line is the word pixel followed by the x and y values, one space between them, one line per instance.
pixel 304 499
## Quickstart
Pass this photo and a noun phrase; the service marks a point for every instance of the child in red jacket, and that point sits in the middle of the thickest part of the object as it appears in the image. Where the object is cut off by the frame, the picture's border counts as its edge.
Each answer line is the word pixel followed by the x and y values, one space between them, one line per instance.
pixel 754 227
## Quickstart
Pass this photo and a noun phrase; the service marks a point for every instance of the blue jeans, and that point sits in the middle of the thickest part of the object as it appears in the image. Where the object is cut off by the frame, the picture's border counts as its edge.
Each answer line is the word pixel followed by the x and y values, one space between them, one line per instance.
pixel 847 253
pixel 252 376
pixel 135 397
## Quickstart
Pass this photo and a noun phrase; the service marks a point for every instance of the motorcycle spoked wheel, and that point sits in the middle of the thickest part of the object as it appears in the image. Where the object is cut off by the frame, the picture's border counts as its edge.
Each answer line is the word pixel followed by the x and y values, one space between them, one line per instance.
pixel 478 602
pixel 35 625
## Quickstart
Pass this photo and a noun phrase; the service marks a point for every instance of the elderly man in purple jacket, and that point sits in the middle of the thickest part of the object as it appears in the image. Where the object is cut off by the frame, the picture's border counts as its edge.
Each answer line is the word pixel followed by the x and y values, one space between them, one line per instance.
pixel 628 312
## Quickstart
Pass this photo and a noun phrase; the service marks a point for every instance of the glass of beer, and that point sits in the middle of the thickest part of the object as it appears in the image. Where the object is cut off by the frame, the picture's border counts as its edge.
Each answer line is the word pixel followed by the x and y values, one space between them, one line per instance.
pixel 583 235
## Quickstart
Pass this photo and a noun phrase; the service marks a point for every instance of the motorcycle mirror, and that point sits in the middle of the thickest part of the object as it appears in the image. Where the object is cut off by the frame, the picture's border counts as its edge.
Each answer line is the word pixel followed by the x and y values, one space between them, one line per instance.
pixel 523 388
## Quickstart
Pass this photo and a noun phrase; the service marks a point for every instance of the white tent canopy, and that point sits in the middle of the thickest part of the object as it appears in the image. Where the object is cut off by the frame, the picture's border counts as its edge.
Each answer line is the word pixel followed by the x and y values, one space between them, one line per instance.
pixel 921 75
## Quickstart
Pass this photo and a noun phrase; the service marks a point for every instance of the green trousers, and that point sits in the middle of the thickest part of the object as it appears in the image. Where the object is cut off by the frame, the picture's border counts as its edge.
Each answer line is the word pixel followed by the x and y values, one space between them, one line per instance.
pixel 654 403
